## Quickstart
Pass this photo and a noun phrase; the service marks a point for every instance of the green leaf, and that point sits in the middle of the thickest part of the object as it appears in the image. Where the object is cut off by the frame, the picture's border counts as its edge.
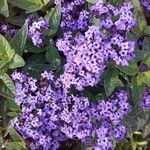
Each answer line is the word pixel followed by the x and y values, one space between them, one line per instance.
pixel 6 53
pixel 132 69
pixel 111 80
pixel 147 30
pixel 11 104
pixel 45 2
pixel 4 8
pixel 140 16
pixel 145 77
pixel 16 62
pixel 54 17
pixel 14 135
pixel 19 40
pixel 29 47
pixel 116 2
pixel 52 56
pixel 141 143
pixel 7 88
pixel 91 1
pixel 15 146
pixel 28 5
pixel 137 90
pixel 35 68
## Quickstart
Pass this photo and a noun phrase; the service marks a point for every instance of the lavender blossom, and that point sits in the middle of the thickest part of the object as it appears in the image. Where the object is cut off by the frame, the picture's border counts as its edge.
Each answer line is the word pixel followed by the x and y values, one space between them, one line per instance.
pixel 36 30
pixel 49 116
pixel 145 102
pixel 146 4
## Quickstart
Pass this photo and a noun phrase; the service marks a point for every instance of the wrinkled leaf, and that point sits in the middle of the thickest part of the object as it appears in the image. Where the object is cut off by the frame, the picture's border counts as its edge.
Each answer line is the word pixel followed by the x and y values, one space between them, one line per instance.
pixel 16 62
pixel 7 88
pixel 6 53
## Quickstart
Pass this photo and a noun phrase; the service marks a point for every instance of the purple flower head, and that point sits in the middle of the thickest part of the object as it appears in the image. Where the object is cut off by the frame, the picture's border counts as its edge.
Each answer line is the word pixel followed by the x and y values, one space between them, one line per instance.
pixel 145 102
pixel 74 16
pixel 49 116
pixel 146 4
pixel 86 58
pixel 36 29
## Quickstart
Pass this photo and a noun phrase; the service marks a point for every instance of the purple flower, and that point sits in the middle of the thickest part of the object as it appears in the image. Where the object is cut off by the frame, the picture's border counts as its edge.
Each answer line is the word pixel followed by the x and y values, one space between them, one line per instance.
pixel 145 102
pixel 49 116
pixel 36 30
pixel 146 4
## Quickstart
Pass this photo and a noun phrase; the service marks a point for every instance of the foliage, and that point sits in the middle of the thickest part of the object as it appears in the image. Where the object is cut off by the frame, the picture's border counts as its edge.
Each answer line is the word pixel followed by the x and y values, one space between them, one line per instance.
pixel 18 52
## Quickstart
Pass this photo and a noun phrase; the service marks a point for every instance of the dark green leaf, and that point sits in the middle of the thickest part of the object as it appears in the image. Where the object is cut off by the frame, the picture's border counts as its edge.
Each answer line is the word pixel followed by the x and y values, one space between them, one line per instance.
pixel 19 40
pixel 132 69
pixel 140 16
pixel 29 47
pixel 137 90
pixel 52 56
pixel 54 19
pixel 36 68
pixel 28 5
pixel 4 8
pixel 111 80
pixel 16 62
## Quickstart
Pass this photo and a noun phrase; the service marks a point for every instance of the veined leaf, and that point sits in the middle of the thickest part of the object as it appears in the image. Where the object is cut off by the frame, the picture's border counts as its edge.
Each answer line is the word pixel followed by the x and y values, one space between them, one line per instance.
pixel 28 5
pixel 7 88
pixel 16 62
pixel 6 54
pixel 19 40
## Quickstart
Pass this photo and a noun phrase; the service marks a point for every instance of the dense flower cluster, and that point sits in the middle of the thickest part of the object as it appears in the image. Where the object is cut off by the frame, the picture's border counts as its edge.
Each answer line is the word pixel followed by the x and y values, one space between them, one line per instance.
pixel 74 16
pixel 145 102
pixel 36 29
pixel 49 116
pixel 86 57
pixel 88 53
pixel 115 23
pixel 5 29
pixel 146 4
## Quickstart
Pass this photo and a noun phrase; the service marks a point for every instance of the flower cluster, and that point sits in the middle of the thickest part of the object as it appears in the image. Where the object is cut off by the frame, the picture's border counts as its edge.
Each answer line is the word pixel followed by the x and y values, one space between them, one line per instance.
pixel 115 23
pixel 146 4
pixel 49 116
pixel 36 29
pixel 74 16
pixel 145 102
pixel 86 57
pixel 5 29
pixel 88 53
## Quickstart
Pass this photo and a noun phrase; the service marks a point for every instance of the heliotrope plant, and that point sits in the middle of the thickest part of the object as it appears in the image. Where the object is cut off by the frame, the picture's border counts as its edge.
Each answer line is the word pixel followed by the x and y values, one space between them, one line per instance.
pixel 84 74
